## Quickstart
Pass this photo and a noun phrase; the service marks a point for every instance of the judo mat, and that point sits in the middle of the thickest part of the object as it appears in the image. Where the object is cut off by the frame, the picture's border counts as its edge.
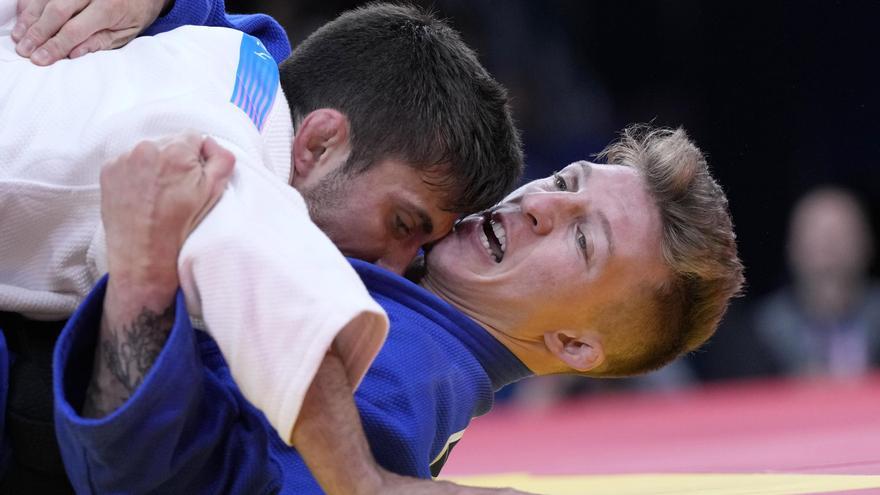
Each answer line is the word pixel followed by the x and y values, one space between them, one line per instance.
pixel 779 437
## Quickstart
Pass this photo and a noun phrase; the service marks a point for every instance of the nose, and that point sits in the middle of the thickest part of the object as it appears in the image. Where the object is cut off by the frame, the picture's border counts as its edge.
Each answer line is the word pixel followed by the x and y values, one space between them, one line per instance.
pixel 398 256
pixel 545 210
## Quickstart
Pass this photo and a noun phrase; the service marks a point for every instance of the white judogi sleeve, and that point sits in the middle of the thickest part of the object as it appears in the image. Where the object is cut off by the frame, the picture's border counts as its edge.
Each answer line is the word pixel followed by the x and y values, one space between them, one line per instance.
pixel 272 292
pixel 271 289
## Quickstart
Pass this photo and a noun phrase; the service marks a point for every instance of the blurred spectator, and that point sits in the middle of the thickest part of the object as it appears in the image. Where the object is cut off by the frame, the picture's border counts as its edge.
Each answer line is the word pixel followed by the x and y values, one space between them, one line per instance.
pixel 828 320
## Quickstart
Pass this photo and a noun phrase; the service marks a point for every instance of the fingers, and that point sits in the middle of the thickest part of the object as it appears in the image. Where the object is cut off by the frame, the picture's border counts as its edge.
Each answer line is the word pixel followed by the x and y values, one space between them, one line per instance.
pixel 73 33
pixel 102 40
pixel 28 13
pixel 180 154
pixel 182 176
pixel 52 17
pixel 219 163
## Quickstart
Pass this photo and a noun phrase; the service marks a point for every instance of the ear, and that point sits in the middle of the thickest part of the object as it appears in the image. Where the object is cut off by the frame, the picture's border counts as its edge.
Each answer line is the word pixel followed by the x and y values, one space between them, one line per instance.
pixel 580 351
pixel 320 145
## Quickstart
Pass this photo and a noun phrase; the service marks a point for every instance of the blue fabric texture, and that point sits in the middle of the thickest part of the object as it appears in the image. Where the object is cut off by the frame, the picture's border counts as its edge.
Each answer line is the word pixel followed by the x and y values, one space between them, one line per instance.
pixel 213 13
pixel 5 366
pixel 188 429
pixel 168 437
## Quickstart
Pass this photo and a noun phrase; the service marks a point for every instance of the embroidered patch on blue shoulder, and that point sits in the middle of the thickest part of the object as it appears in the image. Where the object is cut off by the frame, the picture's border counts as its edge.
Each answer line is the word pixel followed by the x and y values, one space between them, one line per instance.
pixel 256 80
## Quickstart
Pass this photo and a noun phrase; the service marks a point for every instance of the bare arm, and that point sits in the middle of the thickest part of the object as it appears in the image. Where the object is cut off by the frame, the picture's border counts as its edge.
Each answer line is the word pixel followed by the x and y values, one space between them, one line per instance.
pixel 130 341
pixel 331 440
pixel 151 200
pixel 148 210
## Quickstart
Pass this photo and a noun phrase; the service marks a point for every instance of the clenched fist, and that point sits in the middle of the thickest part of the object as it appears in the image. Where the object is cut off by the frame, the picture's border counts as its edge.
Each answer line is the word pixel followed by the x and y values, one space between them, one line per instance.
pixel 152 198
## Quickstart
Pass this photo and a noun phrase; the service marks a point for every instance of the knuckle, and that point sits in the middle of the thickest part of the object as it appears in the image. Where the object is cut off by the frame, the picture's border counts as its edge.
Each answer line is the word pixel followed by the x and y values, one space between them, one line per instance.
pixel 192 138
pixel 30 9
pixel 143 151
pixel 69 36
pixel 36 34
pixel 58 11
pixel 27 18
pixel 173 150
pixel 97 41
pixel 113 39
pixel 175 158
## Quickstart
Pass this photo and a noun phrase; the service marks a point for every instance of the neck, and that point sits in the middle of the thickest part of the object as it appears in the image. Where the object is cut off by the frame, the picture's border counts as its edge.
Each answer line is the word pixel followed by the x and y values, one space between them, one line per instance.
pixel 530 350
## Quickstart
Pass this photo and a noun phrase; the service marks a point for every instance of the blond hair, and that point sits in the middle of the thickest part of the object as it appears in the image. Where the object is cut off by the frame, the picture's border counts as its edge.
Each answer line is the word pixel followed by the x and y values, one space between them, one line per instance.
pixel 698 243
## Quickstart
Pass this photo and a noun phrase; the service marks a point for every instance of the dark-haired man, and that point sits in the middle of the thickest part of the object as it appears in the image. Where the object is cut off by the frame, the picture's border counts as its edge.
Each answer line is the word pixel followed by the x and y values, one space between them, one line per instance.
pixel 387 199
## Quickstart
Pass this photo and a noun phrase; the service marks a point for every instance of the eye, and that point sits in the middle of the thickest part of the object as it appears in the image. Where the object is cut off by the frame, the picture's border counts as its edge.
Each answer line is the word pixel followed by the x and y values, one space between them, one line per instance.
pixel 401 227
pixel 582 241
pixel 559 182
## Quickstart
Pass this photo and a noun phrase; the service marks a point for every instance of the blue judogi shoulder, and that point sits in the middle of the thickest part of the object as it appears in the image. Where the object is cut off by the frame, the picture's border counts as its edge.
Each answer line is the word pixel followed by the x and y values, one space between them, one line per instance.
pixel 438 370
pixel 213 13
pixel 188 428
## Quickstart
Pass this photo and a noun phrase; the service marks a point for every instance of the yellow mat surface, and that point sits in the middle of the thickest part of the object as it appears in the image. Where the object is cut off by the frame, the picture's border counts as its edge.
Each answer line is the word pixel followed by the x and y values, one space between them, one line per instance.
pixel 645 484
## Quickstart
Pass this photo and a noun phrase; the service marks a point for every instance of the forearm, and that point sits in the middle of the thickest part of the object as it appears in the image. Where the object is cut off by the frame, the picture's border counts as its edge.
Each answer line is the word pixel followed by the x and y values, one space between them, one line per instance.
pixel 134 327
pixel 329 436
pixel 331 440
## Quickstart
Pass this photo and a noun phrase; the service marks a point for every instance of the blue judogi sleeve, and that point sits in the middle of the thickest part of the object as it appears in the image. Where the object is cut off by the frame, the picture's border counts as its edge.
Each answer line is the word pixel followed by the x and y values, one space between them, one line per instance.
pixel 5 364
pixel 185 430
pixel 213 13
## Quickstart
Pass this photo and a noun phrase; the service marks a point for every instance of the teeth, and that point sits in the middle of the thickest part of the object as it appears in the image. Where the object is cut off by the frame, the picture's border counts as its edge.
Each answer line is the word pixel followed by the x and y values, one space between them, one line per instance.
pixel 485 241
pixel 501 234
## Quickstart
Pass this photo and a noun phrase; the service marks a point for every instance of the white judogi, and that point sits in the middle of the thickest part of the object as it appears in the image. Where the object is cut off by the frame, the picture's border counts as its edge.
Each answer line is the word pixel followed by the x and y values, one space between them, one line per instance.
pixel 270 287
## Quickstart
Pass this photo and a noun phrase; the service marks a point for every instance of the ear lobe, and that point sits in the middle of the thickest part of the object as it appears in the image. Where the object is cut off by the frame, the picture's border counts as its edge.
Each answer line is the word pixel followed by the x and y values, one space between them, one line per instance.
pixel 581 352
pixel 320 144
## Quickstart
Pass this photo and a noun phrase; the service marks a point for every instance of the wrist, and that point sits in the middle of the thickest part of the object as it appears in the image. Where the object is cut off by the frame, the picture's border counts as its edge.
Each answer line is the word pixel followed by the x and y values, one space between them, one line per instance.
pixel 131 294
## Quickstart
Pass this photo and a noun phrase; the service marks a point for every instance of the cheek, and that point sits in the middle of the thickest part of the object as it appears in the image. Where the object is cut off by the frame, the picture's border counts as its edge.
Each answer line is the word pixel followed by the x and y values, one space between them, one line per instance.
pixel 359 239
pixel 445 259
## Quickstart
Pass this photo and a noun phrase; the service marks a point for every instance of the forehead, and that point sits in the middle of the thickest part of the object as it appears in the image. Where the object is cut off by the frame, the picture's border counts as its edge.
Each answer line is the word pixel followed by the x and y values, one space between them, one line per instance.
pixel 620 195
pixel 637 262
pixel 597 177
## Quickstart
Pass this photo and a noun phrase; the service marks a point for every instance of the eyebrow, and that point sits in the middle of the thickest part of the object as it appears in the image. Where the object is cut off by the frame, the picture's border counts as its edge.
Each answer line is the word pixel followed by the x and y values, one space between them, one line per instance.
pixel 587 169
pixel 606 227
pixel 425 220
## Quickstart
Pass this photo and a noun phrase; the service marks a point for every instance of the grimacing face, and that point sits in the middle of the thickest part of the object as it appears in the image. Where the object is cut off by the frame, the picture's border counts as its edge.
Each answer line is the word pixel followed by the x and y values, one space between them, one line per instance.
pixel 553 253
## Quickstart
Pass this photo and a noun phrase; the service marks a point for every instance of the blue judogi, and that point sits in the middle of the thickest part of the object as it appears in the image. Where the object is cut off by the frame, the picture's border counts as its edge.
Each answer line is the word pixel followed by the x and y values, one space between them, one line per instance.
pixel 187 429
pixel 213 13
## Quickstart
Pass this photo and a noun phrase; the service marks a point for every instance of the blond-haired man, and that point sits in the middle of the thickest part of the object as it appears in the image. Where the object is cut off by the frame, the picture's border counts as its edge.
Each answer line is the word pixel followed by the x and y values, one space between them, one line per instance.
pixel 600 269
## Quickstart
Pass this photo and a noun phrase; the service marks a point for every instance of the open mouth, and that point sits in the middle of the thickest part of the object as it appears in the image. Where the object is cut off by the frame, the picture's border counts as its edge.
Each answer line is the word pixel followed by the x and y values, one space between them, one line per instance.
pixel 494 237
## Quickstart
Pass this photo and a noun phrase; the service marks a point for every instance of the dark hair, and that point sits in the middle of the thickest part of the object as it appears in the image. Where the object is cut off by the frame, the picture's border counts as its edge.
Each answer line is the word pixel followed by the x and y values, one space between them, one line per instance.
pixel 412 90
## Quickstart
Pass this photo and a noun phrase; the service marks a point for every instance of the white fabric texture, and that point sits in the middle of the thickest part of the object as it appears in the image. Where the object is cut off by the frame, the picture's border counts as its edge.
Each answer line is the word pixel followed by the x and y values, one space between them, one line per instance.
pixel 271 289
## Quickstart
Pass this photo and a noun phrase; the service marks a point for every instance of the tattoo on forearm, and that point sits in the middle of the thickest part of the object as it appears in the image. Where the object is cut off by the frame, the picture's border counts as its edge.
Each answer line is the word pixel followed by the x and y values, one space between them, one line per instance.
pixel 124 357
pixel 130 352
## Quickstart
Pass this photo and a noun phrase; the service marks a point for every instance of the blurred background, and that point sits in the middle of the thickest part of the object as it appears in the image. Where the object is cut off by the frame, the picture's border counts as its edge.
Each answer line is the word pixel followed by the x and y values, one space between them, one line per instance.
pixel 783 98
